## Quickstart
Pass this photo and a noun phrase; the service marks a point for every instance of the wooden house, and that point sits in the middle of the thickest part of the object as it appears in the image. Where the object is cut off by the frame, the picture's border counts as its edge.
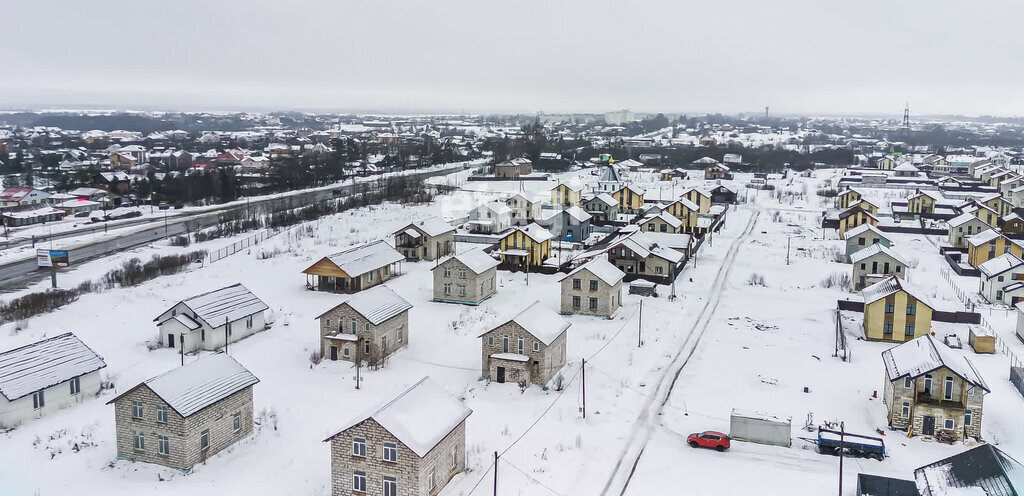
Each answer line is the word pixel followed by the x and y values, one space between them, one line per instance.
pixel 686 211
pixel 527 349
pixel 982 340
pixel 566 195
pixel 700 197
pixel 895 310
pixel 355 269
pixel 989 244
pixel 853 217
pixel 846 198
pixel 923 202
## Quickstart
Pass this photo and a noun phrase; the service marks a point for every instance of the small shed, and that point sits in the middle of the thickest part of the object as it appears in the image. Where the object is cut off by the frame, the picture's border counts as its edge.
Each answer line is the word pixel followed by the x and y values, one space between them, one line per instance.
pixel 643 288
pixel 761 428
pixel 982 340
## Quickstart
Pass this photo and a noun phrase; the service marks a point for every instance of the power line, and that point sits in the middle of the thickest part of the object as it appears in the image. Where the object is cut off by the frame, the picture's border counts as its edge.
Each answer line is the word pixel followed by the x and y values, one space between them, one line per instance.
pixel 528 476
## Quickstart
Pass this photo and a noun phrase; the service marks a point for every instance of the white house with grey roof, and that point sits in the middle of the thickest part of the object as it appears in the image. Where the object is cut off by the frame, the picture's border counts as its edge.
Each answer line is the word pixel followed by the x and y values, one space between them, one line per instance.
pixel 410 445
pixel 468 278
pixel 209 320
pixel 185 416
pixel 1001 279
pixel 875 263
pixel 368 326
pixel 491 217
pixel 594 288
pixel 46 376
pixel 527 349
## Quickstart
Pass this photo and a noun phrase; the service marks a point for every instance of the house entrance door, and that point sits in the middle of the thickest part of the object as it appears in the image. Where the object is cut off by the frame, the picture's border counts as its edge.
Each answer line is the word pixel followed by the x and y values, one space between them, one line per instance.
pixel 501 375
pixel 170 340
pixel 928 428
pixel 334 352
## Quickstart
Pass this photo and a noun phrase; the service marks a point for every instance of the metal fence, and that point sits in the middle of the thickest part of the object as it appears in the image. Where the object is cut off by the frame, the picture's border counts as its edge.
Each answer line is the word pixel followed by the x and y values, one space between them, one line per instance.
pixel 1000 342
pixel 241 245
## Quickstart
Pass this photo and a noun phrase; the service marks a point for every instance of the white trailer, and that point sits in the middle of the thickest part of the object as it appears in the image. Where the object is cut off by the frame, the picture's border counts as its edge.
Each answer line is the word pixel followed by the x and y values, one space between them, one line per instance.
pixel 757 427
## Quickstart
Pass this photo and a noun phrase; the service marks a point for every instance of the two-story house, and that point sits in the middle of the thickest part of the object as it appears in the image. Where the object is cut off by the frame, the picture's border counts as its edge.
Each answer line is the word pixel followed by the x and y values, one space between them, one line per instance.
pixel 989 244
pixel 630 199
pixel 1002 279
pixel 566 195
pixel 874 263
pixel 700 197
pixel 529 348
pixel 468 278
pixel 368 326
pixel 428 239
pixel 661 222
pixel 846 198
pixel 491 218
pixel 207 321
pixel 638 253
pixel 602 207
pixel 853 217
pixel 594 288
pixel 411 445
pixel 895 310
pixel 964 226
pixel 525 246
pixel 524 209
pixel 862 237
pixel 932 390
pixel 185 416
pixel 687 212
pixel 570 224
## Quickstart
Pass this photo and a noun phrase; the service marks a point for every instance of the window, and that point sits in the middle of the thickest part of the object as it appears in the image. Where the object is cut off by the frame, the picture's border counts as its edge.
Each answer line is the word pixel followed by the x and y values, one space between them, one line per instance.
pixel 390 486
pixel 390 452
pixel 430 480
pixel 950 424
pixel 462 290
pixel 38 401
pixel 520 345
pixel 536 346
pixel 1000 278
pixel 928 384
pixel 202 335
pixel 947 392
pixel 890 307
pixel 577 284
pixel 657 269
pixel 140 441
pixel 399 334
pixel 970 391
pixel 345 351
pixel 137 410
pixel 863 266
pixel 462 273
pixel 860 241
pixel 912 309
pixel 204 439
pixel 906 409
pixel 967 416
pixel 359 482
pixel 236 422
pixel 447 271
pixel 490 340
pixel 887 328
pixel 504 344
pixel 327 322
pixel 593 284
pixel 163 445
pixel 909 330
pixel 366 347
pixel 907 382
pixel 354 326
pixel 228 325
pixel 447 288
pixel 366 326
pixel 76 386
pixel 575 301
pixel 358 446
pixel 161 414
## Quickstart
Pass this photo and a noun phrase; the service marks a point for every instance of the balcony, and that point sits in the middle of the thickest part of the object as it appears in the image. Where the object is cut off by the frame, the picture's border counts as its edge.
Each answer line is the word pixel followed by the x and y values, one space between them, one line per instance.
pixel 922 398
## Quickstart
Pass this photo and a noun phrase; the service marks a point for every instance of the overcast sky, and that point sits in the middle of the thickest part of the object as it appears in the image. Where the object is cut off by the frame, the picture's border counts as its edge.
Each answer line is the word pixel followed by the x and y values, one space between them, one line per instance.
pixel 524 56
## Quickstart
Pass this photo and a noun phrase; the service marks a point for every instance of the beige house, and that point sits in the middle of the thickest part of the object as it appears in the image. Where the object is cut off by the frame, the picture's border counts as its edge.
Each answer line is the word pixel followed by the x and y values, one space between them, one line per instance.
pixel 367 327
pixel 467 278
pixel 185 416
pixel 526 349
pixel 428 239
pixel 875 263
pixel 412 445
pixel 524 210
pixel 639 253
pixel 661 222
pixel 964 226
pixel 932 390
pixel 594 288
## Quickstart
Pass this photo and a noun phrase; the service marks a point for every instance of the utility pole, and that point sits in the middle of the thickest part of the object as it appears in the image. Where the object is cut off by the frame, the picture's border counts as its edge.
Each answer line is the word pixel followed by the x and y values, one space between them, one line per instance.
pixel 788 239
pixel 226 334
pixel 842 435
pixel 181 344
pixel 583 369
pixel 358 362
pixel 640 326
pixel 495 473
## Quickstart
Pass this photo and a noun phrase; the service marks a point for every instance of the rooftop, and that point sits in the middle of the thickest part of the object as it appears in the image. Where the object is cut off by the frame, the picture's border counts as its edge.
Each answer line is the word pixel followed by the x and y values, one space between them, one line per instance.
pixel 45 363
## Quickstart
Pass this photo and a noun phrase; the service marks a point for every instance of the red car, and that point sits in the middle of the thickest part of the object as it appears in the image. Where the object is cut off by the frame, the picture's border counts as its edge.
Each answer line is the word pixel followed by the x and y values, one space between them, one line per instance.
pixel 708 439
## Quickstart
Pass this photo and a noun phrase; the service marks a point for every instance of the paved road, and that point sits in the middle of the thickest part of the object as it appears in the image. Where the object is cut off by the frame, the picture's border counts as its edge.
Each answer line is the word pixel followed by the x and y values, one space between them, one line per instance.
pixel 18 274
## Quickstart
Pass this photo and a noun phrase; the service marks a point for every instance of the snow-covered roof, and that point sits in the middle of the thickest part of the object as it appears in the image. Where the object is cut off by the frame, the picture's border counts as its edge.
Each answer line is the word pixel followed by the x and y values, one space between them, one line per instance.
pixel 998 265
pixel 420 417
pixel 891 285
pixel 376 304
pixel 578 214
pixel 515 357
pixel 875 249
pixel 199 384
pixel 693 207
pixel 361 259
pixel 232 303
pixel 475 260
pixel 644 246
pixel 962 219
pixel 664 216
pixel 45 363
pixel 186 321
pixel 610 174
pixel 983 237
pixel 545 324
pixel 861 229
pixel 601 268
pixel 906 167
pixel 604 198
pixel 635 189
pixel 537 233
pixel 982 471
pixel 925 354
pixel 701 191
pixel 433 226
pixel 499 208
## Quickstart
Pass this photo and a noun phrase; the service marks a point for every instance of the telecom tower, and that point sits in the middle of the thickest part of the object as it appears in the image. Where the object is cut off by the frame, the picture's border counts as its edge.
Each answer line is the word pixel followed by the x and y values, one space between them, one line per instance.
pixel 906 115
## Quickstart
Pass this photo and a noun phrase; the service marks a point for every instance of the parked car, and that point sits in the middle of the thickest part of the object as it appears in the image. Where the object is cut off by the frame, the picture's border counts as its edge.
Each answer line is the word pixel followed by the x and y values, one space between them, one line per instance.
pixel 163 206
pixel 82 214
pixel 708 439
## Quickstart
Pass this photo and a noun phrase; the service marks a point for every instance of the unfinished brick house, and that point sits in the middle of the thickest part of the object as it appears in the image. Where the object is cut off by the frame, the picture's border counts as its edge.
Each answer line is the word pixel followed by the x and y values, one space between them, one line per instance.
pixel 527 349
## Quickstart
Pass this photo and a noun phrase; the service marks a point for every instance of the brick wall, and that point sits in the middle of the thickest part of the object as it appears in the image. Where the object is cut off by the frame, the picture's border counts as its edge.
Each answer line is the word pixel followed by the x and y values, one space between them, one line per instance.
pixel 343 463
pixel 344 315
pixel 474 294
pixel 605 294
pixel 544 363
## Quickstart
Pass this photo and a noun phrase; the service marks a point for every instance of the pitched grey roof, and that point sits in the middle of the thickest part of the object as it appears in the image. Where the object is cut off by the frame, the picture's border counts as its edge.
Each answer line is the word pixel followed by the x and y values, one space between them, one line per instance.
pixel 891 285
pixel 45 363
pixel 983 467
pixel 601 268
pixel 199 384
pixel 477 261
pixel 545 324
pixel 870 251
pixel 376 304
pixel 232 302
pixel 924 354
pixel 433 226
pixel 361 259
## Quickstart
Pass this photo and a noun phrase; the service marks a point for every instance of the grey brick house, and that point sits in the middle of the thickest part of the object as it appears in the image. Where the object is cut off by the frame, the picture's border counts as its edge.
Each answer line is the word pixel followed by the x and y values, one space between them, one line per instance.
pixel 369 326
pixel 411 446
pixel 931 390
pixel 467 278
pixel 526 349
pixel 594 288
pixel 428 239
pixel 184 416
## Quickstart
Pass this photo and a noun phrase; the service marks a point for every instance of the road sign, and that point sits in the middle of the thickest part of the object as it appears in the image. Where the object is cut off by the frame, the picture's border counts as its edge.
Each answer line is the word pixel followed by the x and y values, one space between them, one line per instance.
pixel 52 258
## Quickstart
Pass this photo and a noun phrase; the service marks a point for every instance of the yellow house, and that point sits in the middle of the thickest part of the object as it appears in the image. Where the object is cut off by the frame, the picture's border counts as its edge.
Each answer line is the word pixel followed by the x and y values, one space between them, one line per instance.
pixel 989 244
pixel 895 311
pixel 866 206
pixel 923 202
pixel 700 197
pixel 529 245
pixel 853 217
pixel 847 198
pixel 566 195
pixel 630 199
pixel 886 163
pixel 661 222
pixel 984 213
pixel 686 211
pixel 998 204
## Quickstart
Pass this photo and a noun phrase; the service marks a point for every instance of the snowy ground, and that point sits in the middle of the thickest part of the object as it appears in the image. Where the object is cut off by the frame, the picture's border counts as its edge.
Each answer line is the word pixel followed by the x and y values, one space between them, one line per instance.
pixel 753 347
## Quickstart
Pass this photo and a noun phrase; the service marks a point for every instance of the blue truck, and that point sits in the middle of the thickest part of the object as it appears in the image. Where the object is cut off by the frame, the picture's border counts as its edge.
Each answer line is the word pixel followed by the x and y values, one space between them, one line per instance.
pixel 853 444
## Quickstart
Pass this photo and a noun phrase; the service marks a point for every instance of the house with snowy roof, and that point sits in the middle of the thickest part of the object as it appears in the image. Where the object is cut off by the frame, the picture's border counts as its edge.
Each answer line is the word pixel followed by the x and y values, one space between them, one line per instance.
pixel 527 349
pixel 846 198
pixel 184 416
pixel 491 217
pixel 525 208
pixel 570 224
pixel 468 278
pixel 896 310
pixel 983 470
pixel 368 326
pixel 207 321
pixel 594 288
pixel 661 222
pixel 428 239
pixel 529 245
pixel 863 236
pixel 640 254
pixel 412 444
pixel 988 244
pixel 933 390
pixel 602 207
pixel 1012 226
pixel 45 376
pixel 700 197
pixel 630 199
pixel 688 213
pixel 355 269
pixel 874 263
pixel 14 197
pixel 610 180
pixel 566 194
pixel 1001 279
pixel 853 217
pixel 964 226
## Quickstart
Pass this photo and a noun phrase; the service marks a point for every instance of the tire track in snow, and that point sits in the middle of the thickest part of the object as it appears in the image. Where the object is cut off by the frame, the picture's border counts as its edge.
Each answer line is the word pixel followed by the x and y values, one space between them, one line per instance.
pixel 653 407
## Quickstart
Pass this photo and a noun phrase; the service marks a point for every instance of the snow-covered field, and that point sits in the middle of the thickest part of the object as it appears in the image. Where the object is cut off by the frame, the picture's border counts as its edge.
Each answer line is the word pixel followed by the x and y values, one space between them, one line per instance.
pixel 733 344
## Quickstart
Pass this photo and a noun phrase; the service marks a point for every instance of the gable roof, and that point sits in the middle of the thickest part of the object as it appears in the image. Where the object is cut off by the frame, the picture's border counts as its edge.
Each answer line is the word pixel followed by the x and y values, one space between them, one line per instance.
pixel 891 285
pixel 45 363
pixel 686 202
pixel 636 190
pixel 999 265
pixel 853 210
pixel 925 354
pixel 983 237
pixel 645 246
pixel 962 219
pixel 601 268
pixel 376 304
pixel 199 384
pixel 497 207
pixel 543 323
pixel 477 261
pixel 361 259
pixel 577 213
pixel 535 232
pixel 603 198
pixel 984 467
pixel 857 231
pixel 232 302
pixel 875 249
pixel 664 216
pixel 433 226
pixel 701 191
pixel 420 417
